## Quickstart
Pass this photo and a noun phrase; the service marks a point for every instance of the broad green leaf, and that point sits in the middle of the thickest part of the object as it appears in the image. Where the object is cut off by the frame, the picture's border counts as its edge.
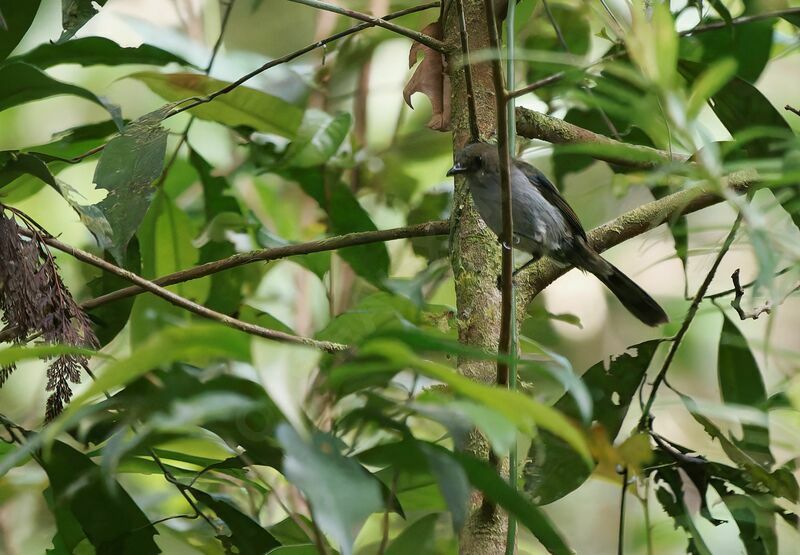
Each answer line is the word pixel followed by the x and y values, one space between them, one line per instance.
pixel 242 106
pixel 165 241
pixel 670 494
pixel 225 293
pixel 417 539
pixel 15 164
pixel 554 470
pixel 372 313
pixel 17 17
pixel 485 478
pixel 341 493
pixel 748 44
pixel 128 169
pixel 453 483
pixel 709 83
pixel 346 216
pixel 197 343
pixel 307 549
pixel 21 83
pixel 741 383
pixel 523 411
pixel 247 535
pixel 68 530
pixel 75 14
pixel 90 51
pixel 755 521
pixel 318 139
pixel 108 516
pixel 109 319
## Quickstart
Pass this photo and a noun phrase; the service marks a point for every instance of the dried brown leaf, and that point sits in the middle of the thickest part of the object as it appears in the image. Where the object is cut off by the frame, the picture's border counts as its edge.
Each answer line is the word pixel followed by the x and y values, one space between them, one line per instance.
pixel 431 79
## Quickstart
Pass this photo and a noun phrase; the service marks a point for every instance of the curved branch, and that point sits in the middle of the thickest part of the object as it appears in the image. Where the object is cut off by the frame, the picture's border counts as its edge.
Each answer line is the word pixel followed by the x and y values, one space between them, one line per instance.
pixel 629 225
pixel 186 304
pixel 266 255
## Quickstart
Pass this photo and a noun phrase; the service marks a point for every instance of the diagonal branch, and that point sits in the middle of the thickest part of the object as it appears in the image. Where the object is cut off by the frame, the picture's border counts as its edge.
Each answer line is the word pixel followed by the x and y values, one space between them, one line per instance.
pixel 421 38
pixel 535 125
pixel 267 255
pixel 186 304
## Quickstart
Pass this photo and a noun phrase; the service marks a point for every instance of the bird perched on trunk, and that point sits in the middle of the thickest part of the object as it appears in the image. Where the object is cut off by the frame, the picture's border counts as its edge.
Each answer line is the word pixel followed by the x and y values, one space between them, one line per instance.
pixel 544 224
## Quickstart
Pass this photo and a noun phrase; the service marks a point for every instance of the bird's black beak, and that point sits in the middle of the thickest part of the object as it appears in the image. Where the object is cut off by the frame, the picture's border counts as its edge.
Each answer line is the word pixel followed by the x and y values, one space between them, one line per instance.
pixel 456 169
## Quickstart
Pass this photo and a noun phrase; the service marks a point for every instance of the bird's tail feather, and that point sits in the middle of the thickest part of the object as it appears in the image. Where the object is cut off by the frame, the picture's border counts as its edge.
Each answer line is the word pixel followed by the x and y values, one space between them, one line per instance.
pixel 632 297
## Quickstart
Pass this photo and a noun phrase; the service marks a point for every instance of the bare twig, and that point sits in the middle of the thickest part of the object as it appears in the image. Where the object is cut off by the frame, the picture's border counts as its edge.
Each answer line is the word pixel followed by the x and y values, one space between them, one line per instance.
pixel 766 308
pixel 621 527
pixel 186 304
pixel 644 422
pixel 745 286
pixel 276 253
pixel 736 303
pixel 421 38
pixel 297 53
pixel 792 109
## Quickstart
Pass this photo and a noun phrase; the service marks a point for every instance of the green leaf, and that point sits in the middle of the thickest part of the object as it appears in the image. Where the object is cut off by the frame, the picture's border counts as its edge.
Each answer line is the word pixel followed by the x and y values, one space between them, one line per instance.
pixel 318 139
pixel 200 342
pixel 109 319
pixel 17 18
pixel 417 539
pixel 670 495
pixel 453 482
pixel 523 411
pixel 246 534
pixel 242 106
pixel 68 530
pixel 14 164
pixel 372 313
pixel 341 493
pixel 554 470
pixel 21 83
pixel 75 14
pixel 12 355
pixel 346 216
pixel 128 169
pixel 748 44
pixel 307 549
pixel 709 83
pixel 91 51
pixel 108 516
pixel 755 521
pixel 741 383
pixel 486 479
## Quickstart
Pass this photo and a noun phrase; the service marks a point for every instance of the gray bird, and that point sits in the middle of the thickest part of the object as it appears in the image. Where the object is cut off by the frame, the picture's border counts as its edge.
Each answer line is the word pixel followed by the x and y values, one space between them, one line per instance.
pixel 544 224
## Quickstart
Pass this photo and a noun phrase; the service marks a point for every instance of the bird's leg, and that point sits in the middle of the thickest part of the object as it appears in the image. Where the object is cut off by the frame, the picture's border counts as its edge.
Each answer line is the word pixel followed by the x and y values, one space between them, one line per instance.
pixel 535 258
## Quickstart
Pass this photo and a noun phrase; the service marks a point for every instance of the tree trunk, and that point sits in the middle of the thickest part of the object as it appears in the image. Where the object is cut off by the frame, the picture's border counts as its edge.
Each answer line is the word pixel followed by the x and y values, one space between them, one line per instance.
pixel 475 256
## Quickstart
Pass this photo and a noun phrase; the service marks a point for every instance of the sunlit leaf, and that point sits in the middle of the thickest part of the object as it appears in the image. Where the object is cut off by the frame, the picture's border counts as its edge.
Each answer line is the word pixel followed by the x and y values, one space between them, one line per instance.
pixel 242 106
pixel 318 139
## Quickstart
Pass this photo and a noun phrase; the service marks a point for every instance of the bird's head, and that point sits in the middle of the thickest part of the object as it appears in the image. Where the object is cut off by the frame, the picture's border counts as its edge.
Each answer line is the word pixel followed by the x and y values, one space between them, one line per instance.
pixel 474 158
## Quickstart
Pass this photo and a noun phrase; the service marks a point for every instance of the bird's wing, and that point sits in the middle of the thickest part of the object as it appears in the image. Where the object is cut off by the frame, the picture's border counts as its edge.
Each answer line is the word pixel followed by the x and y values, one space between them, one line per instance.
pixel 551 195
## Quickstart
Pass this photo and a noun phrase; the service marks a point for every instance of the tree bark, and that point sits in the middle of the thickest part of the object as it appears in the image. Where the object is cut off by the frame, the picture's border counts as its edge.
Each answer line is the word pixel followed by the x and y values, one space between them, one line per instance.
pixel 475 255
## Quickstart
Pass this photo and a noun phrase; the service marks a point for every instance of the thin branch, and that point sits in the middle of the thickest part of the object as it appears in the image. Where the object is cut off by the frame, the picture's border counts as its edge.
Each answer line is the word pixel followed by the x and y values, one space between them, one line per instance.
pixel 644 422
pixel 467 65
pixel 421 38
pixel 535 125
pixel 297 53
pixel 621 527
pixel 792 109
pixel 738 289
pixel 267 255
pixel 186 304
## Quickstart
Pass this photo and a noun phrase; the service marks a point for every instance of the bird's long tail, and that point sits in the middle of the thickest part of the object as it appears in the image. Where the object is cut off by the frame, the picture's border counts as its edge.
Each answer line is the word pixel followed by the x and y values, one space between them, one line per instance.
pixel 632 297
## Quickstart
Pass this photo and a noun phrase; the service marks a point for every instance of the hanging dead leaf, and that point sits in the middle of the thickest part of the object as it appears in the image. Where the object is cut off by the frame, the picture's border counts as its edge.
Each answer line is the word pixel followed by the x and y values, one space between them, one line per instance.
pixel 431 79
